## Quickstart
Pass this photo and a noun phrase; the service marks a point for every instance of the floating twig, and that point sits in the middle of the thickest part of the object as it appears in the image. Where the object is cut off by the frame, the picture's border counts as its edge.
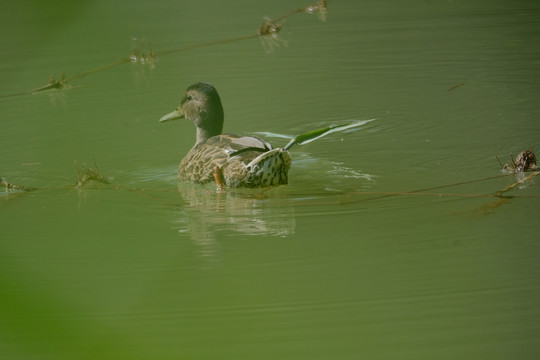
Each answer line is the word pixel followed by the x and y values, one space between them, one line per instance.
pixel 519 182
pixel 268 32
pixel 455 86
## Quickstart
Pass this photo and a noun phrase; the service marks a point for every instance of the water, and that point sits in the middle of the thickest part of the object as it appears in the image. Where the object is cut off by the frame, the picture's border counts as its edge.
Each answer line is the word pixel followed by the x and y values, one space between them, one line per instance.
pixel 329 266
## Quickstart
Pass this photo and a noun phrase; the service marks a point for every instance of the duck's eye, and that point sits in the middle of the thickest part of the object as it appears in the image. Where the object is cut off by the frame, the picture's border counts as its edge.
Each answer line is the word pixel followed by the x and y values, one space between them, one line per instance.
pixel 188 98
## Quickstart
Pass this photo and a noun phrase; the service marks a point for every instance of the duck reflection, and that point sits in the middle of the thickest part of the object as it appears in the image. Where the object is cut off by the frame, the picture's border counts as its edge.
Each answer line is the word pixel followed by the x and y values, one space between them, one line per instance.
pixel 207 215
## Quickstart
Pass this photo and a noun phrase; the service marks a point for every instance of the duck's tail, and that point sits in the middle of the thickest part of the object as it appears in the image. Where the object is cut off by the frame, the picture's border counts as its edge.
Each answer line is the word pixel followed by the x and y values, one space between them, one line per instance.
pixel 316 134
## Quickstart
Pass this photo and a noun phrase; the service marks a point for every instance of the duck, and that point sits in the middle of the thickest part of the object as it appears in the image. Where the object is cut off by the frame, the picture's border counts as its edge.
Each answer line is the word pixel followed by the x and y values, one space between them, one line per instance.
pixel 228 159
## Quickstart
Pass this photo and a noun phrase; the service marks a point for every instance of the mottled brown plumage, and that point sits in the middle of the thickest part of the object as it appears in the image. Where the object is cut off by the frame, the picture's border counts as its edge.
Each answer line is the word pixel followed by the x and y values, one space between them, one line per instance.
pixel 244 161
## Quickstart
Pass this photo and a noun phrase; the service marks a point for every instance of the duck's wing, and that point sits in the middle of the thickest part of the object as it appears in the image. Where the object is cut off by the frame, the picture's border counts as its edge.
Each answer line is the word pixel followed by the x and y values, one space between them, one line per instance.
pixel 258 170
pixel 200 162
pixel 238 143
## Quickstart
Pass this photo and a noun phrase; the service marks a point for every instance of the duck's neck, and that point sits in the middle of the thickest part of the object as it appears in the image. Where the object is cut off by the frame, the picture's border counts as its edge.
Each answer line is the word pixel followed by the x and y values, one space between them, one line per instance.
pixel 206 132
pixel 203 135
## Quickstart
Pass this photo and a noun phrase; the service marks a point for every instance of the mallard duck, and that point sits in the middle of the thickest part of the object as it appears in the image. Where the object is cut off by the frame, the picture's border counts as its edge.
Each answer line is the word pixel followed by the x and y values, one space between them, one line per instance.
pixel 229 159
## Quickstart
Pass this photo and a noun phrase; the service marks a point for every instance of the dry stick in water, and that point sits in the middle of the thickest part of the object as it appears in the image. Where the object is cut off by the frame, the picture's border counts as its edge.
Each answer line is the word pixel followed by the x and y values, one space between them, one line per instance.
pixel 417 192
pixel 269 29
pixel 510 187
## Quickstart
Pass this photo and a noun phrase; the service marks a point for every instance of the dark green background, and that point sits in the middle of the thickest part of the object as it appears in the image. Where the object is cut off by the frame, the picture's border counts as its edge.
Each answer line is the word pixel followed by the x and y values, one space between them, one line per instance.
pixel 312 270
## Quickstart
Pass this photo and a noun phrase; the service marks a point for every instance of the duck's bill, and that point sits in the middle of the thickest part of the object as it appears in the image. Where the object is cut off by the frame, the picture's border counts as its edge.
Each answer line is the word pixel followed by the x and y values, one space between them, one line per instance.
pixel 176 114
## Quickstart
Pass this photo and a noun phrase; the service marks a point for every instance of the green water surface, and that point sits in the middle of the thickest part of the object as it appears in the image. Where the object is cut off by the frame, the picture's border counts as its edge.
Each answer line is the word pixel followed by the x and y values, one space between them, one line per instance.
pixel 344 262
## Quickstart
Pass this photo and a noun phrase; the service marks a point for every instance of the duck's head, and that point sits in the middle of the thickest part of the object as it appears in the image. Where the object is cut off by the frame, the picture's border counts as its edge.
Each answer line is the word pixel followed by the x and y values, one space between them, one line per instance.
pixel 200 104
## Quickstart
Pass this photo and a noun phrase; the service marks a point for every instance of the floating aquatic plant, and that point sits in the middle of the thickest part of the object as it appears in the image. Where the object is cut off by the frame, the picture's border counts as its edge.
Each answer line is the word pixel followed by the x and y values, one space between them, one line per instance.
pixel 316 134
pixel 269 33
pixel 138 53
pixel 142 53
pixel 61 83
pixel 9 186
pixel 525 161
pixel 87 174
pixel 319 8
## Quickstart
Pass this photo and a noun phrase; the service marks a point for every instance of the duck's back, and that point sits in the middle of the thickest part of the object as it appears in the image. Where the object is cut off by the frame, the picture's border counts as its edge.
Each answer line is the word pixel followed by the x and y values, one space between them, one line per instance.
pixel 200 162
